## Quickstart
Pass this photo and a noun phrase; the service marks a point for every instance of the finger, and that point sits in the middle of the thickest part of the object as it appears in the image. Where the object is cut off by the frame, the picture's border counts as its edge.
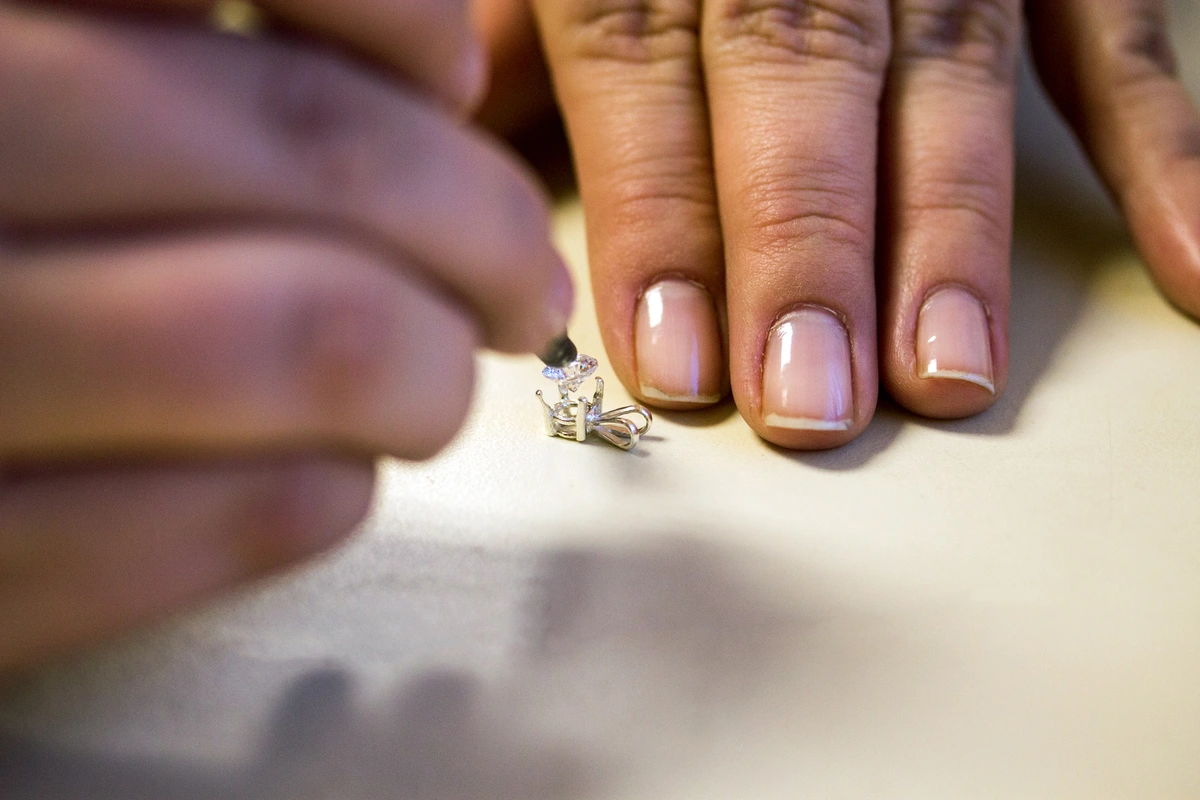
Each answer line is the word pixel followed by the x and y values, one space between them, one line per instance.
pixel 628 79
pixel 84 555
pixel 794 90
pixel 1110 69
pixel 523 101
pixel 158 124
pixel 947 209
pixel 226 344
pixel 429 41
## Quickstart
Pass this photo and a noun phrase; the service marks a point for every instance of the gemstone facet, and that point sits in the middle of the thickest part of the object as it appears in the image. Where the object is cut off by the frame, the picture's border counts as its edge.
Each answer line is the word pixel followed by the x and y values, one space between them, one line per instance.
pixel 572 376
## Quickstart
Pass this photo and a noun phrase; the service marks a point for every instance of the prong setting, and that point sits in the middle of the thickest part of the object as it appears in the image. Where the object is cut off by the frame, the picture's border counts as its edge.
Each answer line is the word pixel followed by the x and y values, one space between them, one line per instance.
pixel 577 417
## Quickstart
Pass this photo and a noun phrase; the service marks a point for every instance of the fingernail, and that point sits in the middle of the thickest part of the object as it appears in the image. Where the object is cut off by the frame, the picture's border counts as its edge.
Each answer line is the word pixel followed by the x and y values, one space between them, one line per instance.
pixel 806 373
pixel 678 344
pixel 953 340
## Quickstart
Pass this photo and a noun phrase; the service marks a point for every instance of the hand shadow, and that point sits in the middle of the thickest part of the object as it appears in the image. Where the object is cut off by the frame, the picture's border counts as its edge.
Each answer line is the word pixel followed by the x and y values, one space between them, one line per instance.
pixel 674 626
pixel 433 747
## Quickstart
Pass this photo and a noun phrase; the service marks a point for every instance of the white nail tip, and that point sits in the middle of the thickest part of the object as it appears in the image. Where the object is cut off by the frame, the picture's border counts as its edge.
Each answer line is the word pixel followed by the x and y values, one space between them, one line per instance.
pixel 654 394
pixel 805 423
pixel 958 375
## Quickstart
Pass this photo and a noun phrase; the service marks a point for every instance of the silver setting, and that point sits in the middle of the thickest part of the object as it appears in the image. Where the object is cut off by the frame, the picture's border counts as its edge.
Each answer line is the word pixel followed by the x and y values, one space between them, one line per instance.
pixel 576 417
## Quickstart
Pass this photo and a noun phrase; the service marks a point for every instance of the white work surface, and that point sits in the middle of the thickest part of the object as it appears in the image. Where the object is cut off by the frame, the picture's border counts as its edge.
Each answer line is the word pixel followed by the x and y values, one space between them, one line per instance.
pixel 1002 607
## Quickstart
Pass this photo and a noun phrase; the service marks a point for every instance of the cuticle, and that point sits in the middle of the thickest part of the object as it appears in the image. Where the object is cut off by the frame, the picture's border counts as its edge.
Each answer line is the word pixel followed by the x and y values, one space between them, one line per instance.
pixel 677 276
pixel 971 290
pixel 841 316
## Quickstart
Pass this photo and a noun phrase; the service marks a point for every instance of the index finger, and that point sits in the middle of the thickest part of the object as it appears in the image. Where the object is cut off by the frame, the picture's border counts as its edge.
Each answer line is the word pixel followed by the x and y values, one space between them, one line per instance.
pixel 430 42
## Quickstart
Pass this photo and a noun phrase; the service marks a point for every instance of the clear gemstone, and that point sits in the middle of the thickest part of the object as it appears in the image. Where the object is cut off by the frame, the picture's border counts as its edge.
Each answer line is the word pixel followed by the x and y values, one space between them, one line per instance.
pixel 572 376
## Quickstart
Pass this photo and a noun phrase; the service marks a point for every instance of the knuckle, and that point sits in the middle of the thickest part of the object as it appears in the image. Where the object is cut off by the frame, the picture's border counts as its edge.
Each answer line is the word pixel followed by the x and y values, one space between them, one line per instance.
pixel 788 225
pixel 310 105
pixel 821 203
pixel 635 31
pixel 978 207
pixel 662 184
pixel 298 510
pixel 982 35
pixel 852 32
pixel 445 400
pixel 337 344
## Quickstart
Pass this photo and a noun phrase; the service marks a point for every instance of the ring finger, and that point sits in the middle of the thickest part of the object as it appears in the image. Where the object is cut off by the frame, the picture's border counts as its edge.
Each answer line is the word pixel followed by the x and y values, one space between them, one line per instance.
pixel 794 90
pixel 947 205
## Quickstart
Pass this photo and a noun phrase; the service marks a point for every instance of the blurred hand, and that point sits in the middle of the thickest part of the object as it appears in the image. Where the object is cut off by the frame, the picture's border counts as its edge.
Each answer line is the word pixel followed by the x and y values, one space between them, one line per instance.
pixel 798 200
pixel 233 270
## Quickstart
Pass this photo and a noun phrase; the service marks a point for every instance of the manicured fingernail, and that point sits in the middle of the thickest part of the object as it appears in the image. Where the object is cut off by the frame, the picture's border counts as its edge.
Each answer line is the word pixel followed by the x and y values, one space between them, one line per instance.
pixel 806 373
pixel 678 344
pixel 953 340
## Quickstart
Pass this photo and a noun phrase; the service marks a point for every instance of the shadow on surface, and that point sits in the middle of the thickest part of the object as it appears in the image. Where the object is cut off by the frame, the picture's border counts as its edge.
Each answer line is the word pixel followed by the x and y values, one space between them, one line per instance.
pixel 627 651
pixel 885 426
pixel 703 418
pixel 432 745
pixel 1057 254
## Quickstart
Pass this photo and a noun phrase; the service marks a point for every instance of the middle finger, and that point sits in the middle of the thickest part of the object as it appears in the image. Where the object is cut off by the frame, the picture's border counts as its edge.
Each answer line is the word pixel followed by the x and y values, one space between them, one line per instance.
pixel 794 90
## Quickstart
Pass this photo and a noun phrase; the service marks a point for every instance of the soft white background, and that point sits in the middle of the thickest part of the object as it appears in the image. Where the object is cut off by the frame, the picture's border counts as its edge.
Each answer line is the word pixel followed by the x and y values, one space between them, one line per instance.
pixel 1004 607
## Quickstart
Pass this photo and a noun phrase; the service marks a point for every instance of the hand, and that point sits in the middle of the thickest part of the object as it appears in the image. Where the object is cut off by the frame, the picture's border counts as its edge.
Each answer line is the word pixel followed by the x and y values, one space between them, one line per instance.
pixel 799 199
pixel 234 270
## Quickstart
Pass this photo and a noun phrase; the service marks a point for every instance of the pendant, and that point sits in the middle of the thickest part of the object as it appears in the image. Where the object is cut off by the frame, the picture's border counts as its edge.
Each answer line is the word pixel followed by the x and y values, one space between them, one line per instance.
pixel 575 418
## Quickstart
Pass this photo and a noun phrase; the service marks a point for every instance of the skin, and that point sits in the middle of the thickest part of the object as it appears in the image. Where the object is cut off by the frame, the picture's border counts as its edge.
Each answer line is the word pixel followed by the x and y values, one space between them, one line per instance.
pixel 234 270
pixel 854 155
pixel 230 278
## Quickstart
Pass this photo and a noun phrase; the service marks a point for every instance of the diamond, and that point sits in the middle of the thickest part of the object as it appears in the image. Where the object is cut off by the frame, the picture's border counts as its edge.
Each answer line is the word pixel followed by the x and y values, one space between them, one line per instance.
pixel 572 376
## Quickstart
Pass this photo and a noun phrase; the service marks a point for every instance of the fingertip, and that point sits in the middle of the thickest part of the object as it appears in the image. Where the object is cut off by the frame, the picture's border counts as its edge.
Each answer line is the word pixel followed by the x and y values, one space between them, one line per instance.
pixel 438 389
pixel 945 397
pixel 300 510
pixel 953 364
pixel 344 490
pixel 1166 225
pixel 818 381
pixel 557 301
pixel 534 309
pixel 810 439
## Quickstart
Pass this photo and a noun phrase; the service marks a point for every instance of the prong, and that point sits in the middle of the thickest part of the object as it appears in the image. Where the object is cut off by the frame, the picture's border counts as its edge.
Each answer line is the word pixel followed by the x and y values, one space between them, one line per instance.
pixel 581 410
pixel 547 414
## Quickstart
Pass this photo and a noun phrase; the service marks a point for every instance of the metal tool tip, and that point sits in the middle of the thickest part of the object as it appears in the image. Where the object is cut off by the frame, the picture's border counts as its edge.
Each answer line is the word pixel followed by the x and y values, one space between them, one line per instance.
pixel 559 352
